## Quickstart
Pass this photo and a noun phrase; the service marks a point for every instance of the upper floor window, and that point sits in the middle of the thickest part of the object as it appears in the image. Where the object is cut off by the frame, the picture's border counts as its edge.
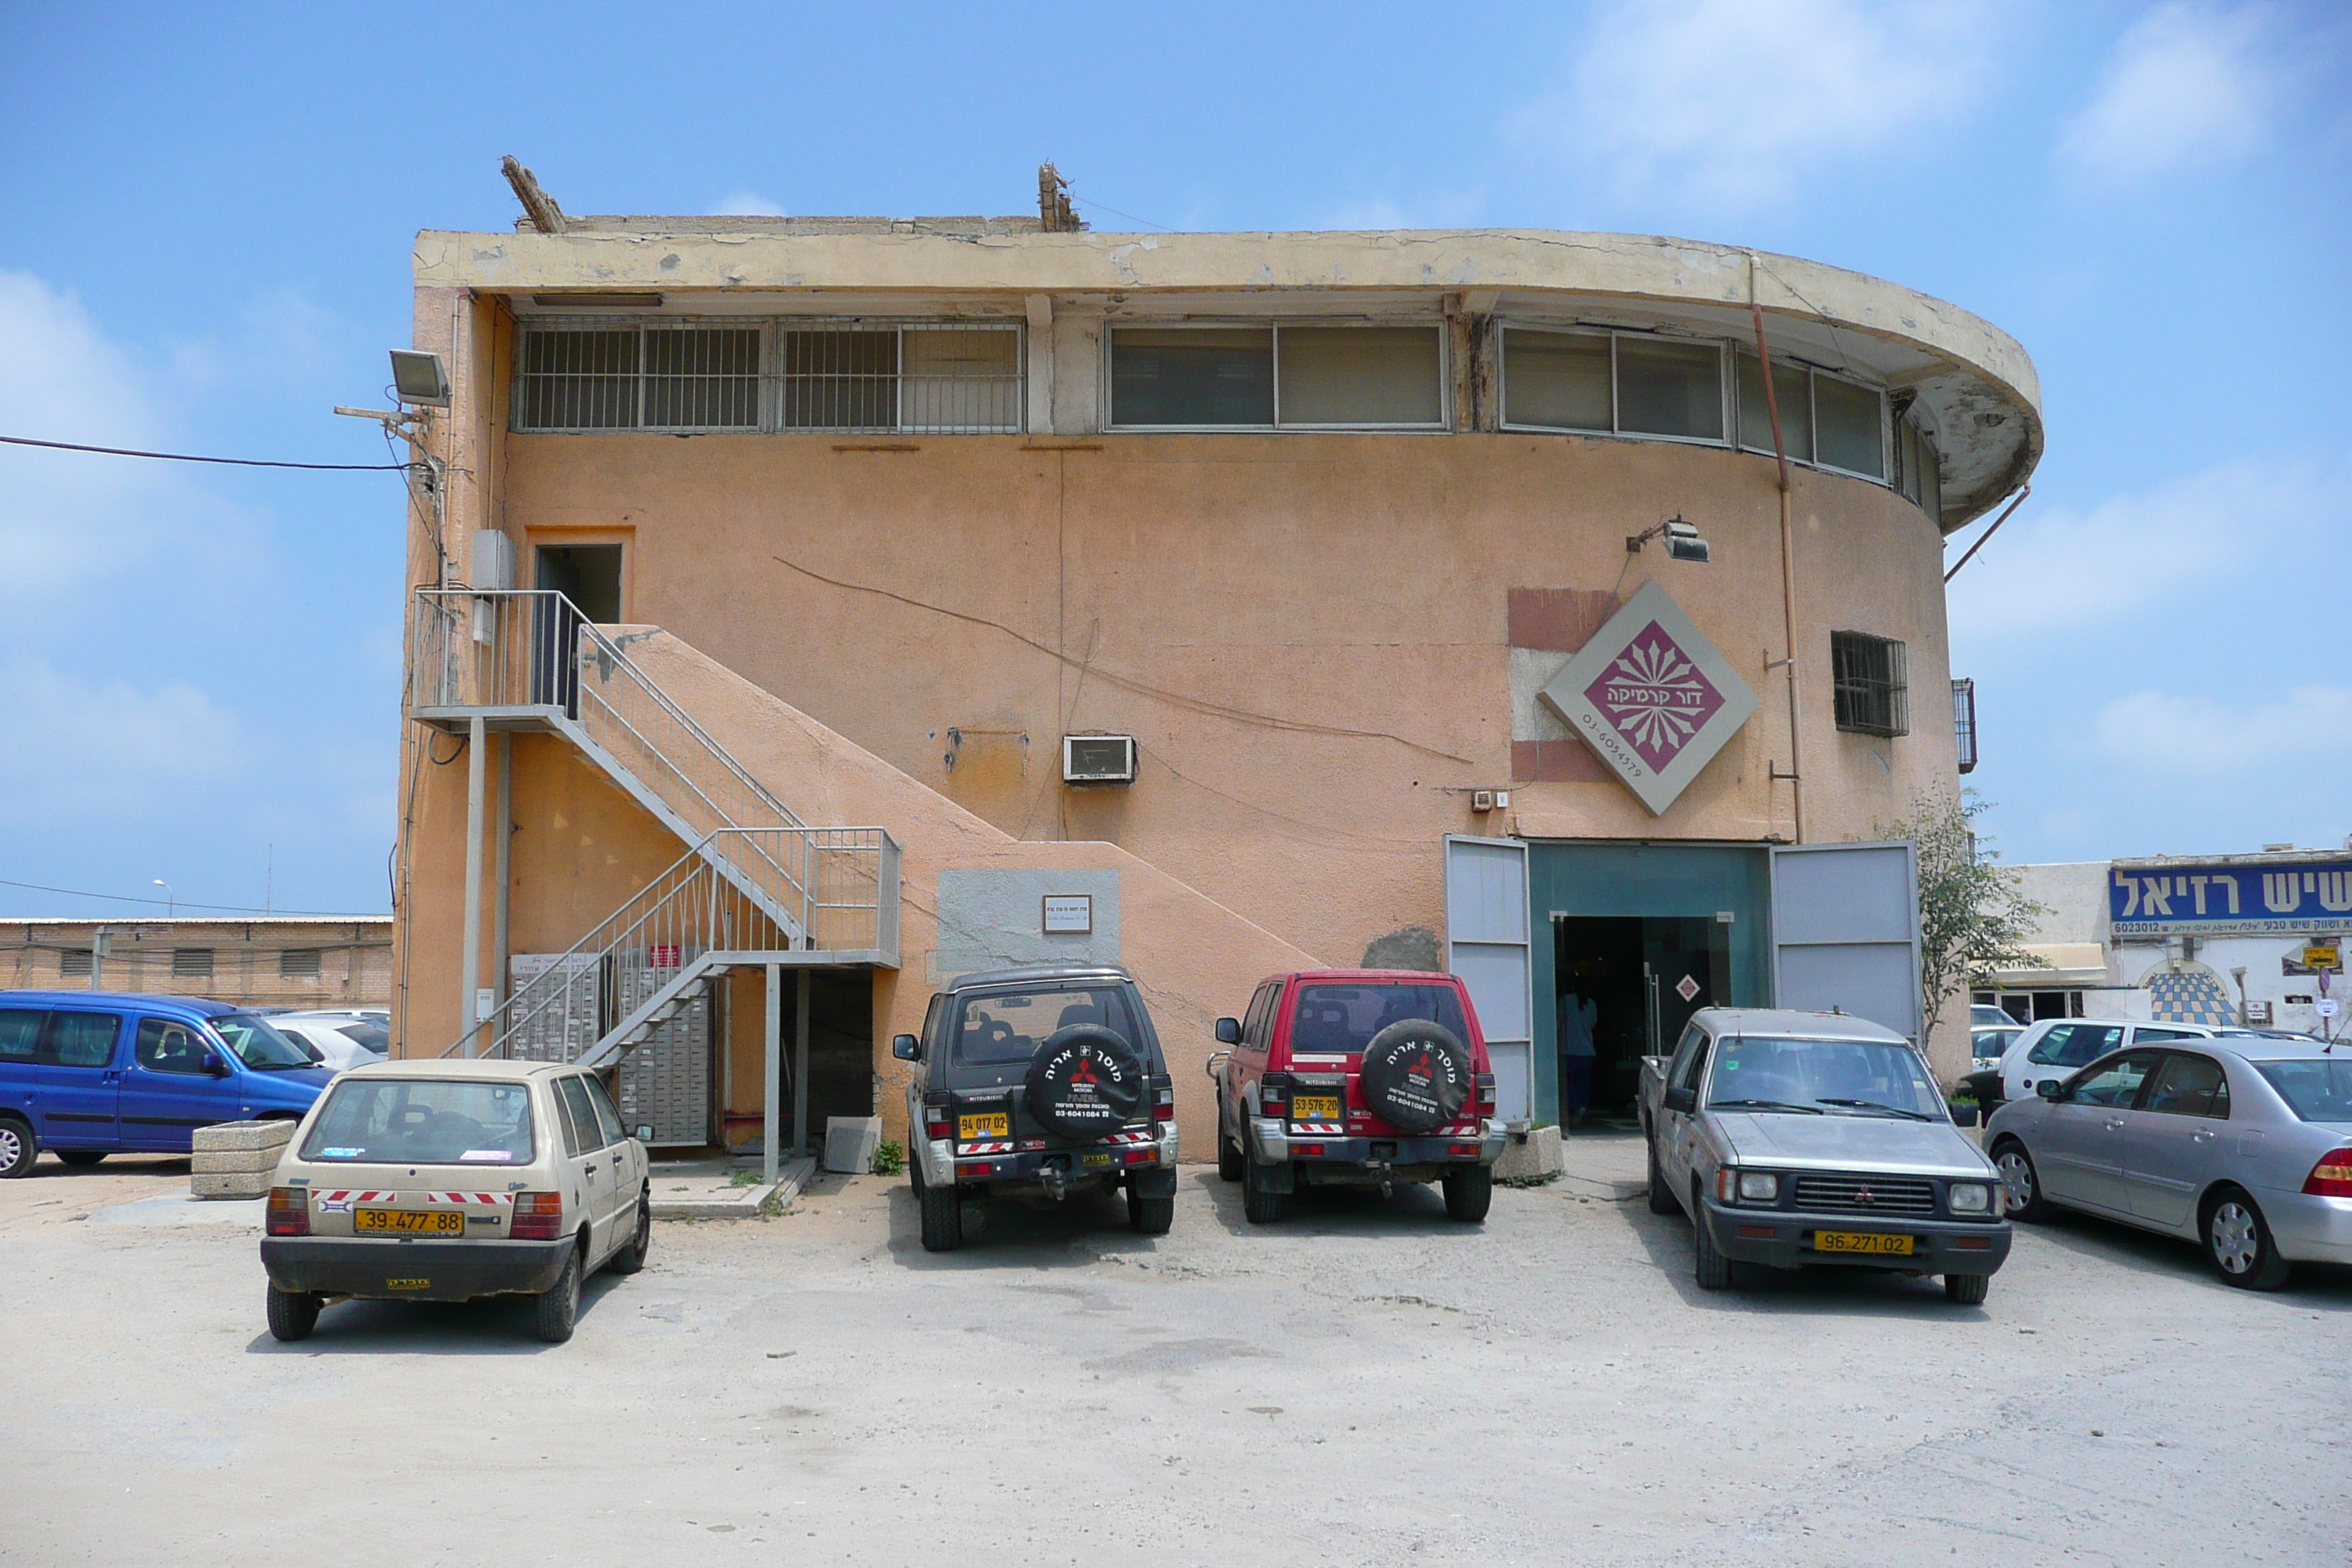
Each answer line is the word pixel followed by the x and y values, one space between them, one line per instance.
pixel 1867 675
pixel 1826 420
pixel 1964 722
pixel 843 378
pixel 1613 384
pixel 1917 468
pixel 1276 377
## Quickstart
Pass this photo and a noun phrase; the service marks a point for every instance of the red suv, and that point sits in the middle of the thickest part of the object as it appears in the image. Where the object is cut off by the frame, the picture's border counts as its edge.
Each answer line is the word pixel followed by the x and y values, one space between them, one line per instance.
pixel 1365 1078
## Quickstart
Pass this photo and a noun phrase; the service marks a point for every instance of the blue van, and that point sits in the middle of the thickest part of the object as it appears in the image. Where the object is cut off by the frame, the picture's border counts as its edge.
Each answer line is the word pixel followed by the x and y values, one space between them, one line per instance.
pixel 91 1073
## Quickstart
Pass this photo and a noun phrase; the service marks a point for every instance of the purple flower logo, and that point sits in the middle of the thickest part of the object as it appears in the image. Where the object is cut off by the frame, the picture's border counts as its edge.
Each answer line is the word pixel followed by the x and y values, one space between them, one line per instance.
pixel 1655 696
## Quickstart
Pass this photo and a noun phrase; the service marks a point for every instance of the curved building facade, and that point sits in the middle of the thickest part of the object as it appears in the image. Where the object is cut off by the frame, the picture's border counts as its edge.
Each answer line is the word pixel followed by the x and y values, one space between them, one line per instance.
pixel 1215 603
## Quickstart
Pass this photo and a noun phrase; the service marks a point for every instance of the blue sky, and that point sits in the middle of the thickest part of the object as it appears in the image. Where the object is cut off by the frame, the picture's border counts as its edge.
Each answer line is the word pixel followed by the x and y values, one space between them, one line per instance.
pixel 205 243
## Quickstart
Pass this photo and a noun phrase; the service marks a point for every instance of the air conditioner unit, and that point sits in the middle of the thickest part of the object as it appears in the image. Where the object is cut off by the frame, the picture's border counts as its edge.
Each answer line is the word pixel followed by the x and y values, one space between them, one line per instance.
pixel 1098 759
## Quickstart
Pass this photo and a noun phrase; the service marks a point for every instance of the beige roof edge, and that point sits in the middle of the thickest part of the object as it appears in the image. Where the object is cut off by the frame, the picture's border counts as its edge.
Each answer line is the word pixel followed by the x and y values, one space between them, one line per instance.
pixel 1629 266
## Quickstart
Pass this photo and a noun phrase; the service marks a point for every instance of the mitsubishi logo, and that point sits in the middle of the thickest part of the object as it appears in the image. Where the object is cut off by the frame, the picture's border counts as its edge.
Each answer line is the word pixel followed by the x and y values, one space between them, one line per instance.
pixel 1863 1195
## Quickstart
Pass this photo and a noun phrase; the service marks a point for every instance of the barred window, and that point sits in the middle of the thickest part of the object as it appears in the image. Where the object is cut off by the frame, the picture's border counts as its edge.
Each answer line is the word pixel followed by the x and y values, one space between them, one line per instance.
pixel 1867 673
pixel 638 378
pixel 1964 722
pixel 298 963
pixel 192 963
pixel 76 963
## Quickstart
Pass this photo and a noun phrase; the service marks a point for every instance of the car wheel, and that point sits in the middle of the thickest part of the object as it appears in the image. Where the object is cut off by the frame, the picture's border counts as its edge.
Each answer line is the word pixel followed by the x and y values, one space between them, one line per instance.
pixel 1469 1192
pixel 81 1157
pixel 18 1149
pixel 1229 1157
pixel 1260 1207
pixel 942 1217
pixel 292 1314
pixel 632 1258
pixel 2020 1183
pixel 1150 1217
pixel 1661 1197
pixel 2238 1240
pixel 558 1307
pixel 1714 1270
pixel 1966 1289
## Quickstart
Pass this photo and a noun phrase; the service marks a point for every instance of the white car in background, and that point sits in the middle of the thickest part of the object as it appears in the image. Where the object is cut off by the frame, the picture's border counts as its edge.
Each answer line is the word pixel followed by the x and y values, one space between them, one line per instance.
pixel 2053 1049
pixel 340 1040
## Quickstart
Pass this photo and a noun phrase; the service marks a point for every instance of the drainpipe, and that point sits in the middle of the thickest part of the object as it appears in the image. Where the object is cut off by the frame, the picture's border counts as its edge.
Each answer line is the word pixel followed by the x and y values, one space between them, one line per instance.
pixel 1796 774
pixel 471 968
pixel 502 861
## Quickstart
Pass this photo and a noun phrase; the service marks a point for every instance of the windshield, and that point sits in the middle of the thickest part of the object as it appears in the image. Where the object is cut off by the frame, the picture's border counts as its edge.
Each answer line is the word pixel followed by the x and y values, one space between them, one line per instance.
pixel 1861 1078
pixel 2318 1090
pixel 1334 1020
pixel 423 1122
pixel 1000 1033
pixel 259 1046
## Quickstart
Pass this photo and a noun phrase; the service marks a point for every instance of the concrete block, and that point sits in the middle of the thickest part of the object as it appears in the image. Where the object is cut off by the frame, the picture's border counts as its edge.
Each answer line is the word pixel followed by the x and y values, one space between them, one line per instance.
pixel 235 1161
pixel 231 1185
pixel 1532 1158
pixel 850 1142
pixel 242 1136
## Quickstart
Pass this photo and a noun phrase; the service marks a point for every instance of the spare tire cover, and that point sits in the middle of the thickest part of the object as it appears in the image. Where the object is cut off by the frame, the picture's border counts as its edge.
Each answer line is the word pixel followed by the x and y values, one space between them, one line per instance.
pixel 1084 1081
pixel 1416 1075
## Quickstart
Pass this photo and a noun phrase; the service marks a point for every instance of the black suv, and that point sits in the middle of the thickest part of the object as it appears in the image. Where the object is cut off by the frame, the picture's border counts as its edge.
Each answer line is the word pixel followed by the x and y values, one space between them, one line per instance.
pixel 1039 1082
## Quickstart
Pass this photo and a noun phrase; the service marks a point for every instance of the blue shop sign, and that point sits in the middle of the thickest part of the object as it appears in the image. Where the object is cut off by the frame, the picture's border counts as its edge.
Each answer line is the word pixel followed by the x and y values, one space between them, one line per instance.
pixel 2229 900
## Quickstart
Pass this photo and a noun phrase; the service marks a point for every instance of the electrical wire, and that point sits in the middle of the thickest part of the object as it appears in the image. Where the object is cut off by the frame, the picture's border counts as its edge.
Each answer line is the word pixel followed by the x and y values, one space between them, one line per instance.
pixel 1078 196
pixel 225 909
pixel 187 457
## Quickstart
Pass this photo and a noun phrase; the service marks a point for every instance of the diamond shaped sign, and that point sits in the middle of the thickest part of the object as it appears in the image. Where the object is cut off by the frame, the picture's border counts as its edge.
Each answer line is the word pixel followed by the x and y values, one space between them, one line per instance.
pixel 1687 988
pixel 1652 697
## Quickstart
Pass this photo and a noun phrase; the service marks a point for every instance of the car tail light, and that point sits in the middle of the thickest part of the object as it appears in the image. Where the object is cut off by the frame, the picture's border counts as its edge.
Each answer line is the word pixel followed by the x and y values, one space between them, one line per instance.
pixel 936 1120
pixel 290 1212
pixel 1485 1094
pixel 1462 1149
pixel 2332 1177
pixel 1314 1149
pixel 537 1216
pixel 1142 1156
pixel 1274 1095
pixel 1163 1103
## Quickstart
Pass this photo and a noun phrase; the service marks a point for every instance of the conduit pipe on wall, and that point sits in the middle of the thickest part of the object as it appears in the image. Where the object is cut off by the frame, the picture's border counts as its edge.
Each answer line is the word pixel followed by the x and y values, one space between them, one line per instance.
pixel 1788 563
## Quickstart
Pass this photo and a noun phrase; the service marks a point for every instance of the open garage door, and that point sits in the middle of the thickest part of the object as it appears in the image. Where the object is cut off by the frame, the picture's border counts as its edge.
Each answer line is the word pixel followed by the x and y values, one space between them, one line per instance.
pixel 1487 945
pixel 1845 932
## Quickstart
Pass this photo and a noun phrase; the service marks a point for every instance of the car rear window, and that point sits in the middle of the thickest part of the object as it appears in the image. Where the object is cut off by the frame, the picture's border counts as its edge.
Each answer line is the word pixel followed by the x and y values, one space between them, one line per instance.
pixel 258 1045
pixel 423 1122
pixel 2318 1091
pixel 1006 1029
pixel 373 1037
pixel 1334 1020
pixel 2075 1045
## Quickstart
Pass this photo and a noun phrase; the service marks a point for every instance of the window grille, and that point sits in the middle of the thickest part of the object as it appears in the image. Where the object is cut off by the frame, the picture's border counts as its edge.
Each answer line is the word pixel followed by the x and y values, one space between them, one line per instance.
pixel 76 963
pixel 851 378
pixel 298 963
pixel 1867 675
pixel 1964 722
pixel 192 963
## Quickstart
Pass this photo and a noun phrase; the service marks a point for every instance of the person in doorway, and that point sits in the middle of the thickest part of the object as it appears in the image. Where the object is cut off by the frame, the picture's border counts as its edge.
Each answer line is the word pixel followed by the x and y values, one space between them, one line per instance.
pixel 1576 1017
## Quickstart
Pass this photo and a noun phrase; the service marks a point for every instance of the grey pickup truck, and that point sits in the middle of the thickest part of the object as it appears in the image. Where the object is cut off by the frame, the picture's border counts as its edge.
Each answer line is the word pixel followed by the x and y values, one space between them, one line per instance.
pixel 1794 1139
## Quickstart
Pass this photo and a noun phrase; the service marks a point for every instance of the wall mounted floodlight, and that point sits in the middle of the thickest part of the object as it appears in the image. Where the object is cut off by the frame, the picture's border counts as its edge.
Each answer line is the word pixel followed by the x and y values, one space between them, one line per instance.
pixel 420 378
pixel 1683 540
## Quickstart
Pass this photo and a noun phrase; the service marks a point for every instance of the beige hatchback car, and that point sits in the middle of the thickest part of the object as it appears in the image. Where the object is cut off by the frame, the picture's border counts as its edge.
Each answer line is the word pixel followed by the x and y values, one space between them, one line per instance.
pixel 444 1181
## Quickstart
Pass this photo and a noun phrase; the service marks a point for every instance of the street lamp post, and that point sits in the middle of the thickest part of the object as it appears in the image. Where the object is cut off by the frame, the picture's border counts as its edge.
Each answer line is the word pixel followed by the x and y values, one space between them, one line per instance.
pixel 171 900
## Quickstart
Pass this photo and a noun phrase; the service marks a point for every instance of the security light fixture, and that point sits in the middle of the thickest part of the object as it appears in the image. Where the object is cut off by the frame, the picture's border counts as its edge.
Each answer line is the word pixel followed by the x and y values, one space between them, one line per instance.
pixel 420 378
pixel 1683 543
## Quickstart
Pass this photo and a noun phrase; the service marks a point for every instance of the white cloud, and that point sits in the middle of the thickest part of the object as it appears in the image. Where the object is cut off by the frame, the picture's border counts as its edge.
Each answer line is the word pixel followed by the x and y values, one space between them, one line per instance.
pixel 2163 732
pixel 747 204
pixel 2054 569
pixel 107 746
pixel 2188 85
pixel 1731 101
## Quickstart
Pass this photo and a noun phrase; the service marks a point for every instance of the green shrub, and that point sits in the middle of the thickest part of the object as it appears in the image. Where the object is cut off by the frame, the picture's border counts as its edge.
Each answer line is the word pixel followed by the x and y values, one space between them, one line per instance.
pixel 888 1159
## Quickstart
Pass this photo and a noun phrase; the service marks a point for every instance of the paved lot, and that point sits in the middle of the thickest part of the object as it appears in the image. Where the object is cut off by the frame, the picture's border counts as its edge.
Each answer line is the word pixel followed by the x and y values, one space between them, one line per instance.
pixel 1369 1384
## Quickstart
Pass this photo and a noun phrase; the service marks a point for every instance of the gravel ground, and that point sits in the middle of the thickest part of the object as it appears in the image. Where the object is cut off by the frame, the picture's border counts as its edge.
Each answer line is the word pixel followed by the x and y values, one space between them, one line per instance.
pixel 1369 1384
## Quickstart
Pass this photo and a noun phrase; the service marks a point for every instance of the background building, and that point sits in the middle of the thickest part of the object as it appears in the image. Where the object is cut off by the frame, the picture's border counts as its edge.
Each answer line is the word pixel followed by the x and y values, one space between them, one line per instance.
pixel 285 960
pixel 1214 603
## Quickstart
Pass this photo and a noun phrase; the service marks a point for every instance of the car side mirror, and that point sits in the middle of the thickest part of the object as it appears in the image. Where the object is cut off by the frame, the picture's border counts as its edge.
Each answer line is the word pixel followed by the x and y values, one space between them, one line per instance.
pixel 904 1048
pixel 2050 1089
pixel 1229 1031
pixel 1685 1100
pixel 212 1065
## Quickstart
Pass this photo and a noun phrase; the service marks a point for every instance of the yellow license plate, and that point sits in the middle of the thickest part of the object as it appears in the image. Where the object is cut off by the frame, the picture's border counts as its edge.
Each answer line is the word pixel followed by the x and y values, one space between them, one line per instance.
pixel 423 1222
pixel 1094 1159
pixel 1315 1108
pixel 1857 1241
pixel 992 1124
pixel 408 1284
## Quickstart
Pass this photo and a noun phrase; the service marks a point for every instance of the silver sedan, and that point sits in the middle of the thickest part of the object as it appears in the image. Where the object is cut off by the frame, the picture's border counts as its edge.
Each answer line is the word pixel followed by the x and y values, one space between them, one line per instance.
pixel 2242 1144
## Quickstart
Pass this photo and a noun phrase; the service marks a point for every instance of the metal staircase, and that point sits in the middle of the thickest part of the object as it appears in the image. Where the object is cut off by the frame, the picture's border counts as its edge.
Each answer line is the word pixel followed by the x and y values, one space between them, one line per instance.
pixel 756 885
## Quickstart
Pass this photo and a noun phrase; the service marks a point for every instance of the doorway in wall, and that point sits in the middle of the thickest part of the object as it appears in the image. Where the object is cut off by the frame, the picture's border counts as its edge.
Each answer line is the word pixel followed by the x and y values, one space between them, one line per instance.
pixel 587 575
pixel 589 578
pixel 1628 984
